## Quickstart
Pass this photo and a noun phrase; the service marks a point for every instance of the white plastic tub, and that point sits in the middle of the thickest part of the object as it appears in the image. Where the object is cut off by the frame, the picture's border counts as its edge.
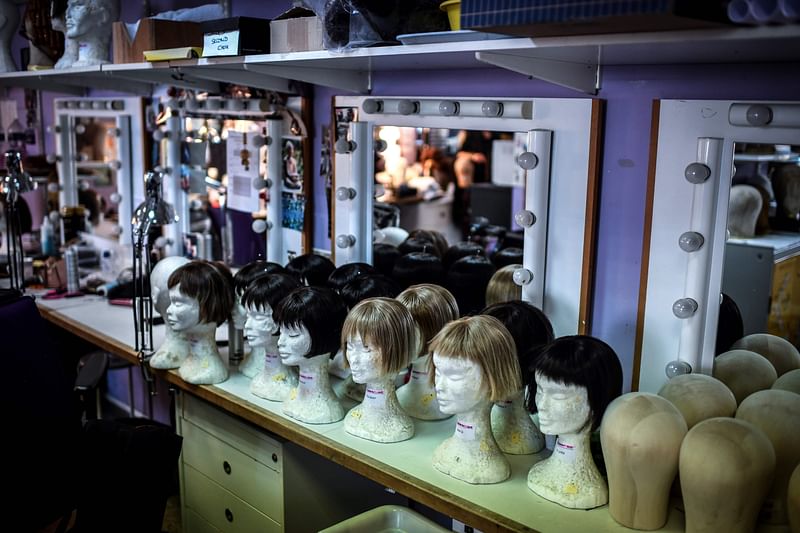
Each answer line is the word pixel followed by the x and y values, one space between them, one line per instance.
pixel 386 519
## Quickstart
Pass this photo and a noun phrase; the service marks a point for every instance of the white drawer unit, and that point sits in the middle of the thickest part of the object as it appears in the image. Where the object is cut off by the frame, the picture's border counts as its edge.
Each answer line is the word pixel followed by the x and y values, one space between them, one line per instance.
pixel 237 477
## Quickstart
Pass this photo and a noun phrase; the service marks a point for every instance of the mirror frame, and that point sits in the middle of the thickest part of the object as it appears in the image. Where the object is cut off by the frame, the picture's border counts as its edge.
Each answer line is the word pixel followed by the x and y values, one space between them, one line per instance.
pixel 569 166
pixel 687 132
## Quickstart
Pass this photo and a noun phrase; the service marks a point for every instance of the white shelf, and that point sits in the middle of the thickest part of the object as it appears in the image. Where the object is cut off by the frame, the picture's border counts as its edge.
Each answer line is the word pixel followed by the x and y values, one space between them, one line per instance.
pixel 571 61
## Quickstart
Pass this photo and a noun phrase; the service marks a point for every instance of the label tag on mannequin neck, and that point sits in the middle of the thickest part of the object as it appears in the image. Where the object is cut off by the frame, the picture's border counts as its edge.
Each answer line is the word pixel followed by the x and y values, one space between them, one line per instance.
pixel 83 50
pixel 375 397
pixel 418 375
pixel 273 360
pixel 306 382
pixel 565 452
pixel 504 404
pixel 465 431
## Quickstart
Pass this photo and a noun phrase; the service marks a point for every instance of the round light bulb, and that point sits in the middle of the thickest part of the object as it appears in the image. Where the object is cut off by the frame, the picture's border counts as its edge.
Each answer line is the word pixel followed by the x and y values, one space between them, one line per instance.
pixel 677 368
pixel 527 160
pixel 697 173
pixel 55 217
pixel 525 218
pixel 259 226
pixel 343 146
pixel 448 108
pixel 53 158
pixel 345 193
pixel 117 230
pixel 115 197
pixel 380 145
pixel 372 106
pixel 690 241
pixel 259 183
pixel 491 108
pixel 407 107
pixel 522 276
pixel 53 187
pixel 80 129
pixel 758 115
pixel 684 308
pixel 345 241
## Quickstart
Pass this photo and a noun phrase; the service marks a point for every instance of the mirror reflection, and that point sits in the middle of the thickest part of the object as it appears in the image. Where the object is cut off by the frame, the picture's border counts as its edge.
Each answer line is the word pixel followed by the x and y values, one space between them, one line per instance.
pixel 96 154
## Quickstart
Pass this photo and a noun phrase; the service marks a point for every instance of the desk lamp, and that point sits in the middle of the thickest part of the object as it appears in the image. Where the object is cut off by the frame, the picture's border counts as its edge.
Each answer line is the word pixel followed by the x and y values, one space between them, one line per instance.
pixel 153 212
pixel 15 182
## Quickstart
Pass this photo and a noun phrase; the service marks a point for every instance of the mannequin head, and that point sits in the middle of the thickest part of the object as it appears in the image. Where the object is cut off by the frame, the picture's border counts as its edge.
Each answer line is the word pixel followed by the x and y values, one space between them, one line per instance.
pixel 501 286
pixel 432 236
pixel 418 267
pixel 242 279
pixel 9 20
pixel 159 291
pixel 347 273
pixel 384 257
pixel 778 351
pixel 314 313
pixel 507 256
pixel 459 250
pixel 379 338
pixel 467 279
pixel 199 293
pixel 262 296
pixel 418 244
pixel 463 345
pixel 744 372
pixel 311 269
pixel 432 306
pixel 790 381
pixel 87 16
pixel 743 210
pixel 584 367
pixel 371 286
pixel 699 397
pixel 393 235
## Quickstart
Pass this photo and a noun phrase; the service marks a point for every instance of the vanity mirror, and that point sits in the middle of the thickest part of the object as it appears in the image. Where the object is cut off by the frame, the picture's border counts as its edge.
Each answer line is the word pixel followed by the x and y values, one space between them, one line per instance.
pixel 552 150
pixel 699 147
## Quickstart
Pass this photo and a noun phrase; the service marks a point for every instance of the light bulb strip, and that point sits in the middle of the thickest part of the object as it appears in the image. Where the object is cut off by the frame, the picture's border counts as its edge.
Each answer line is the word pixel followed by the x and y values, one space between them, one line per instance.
pixel 781 115
pixel 274 237
pixel 537 199
pixel 467 108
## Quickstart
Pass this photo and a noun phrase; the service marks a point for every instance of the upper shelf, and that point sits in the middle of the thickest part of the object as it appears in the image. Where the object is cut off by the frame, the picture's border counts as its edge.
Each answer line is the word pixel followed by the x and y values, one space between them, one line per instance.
pixel 571 61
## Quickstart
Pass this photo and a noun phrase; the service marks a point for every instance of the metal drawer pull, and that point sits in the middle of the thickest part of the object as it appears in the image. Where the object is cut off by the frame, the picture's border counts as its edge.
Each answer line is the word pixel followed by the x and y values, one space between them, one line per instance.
pixel 226 467
pixel 228 515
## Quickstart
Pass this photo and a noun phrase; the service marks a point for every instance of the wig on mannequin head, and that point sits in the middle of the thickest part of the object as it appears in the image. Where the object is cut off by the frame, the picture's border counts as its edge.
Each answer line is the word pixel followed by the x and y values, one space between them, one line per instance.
pixel 528 326
pixel 205 282
pixel 417 244
pixel 320 310
pixel 372 286
pixel 507 256
pixel 269 290
pixel 386 325
pixel 432 236
pixel 467 279
pixel 730 327
pixel 311 269
pixel 418 267
pixel 502 288
pixel 251 271
pixel 432 306
pixel 347 273
pixel 459 250
pixel 583 361
pixel 484 341
pixel 384 256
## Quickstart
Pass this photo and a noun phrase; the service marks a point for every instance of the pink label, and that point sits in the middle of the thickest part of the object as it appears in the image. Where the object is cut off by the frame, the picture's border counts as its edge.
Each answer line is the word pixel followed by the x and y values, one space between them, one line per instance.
pixel 418 374
pixel 465 431
pixel 273 360
pixel 375 397
pixel 565 451
pixel 306 379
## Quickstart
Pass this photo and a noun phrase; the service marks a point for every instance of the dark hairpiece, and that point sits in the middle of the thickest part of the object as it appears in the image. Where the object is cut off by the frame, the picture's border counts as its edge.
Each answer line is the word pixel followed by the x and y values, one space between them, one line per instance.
pixel 730 327
pixel 320 310
pixel 507 256
pixel 459 250
pixel 434 237
pixel 529 326
pixel 207 283
pixel 417 244
pixel 418 267
pixel 384 257
pixel 371 286
pixel 583 361
pixel 311 269
pixel 251 271
pixel 467 280
pixel 269 289
pixel 347 273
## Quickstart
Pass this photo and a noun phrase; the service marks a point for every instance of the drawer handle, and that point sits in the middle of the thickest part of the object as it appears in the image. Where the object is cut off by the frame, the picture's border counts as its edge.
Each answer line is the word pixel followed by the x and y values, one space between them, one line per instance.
pixel 226 466
pixel 228 515
pixel 274 457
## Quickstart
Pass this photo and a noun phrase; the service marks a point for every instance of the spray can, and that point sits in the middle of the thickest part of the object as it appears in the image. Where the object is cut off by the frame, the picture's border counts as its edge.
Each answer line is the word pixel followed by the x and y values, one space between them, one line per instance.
pixel 73 277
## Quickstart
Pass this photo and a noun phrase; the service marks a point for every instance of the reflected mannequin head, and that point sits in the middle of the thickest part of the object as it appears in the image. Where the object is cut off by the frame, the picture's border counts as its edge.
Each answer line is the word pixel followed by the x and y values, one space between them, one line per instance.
pixel 418 267
pixel 743 210
pixel 318 310
pixel 507 256
pixel 206 283
pixel 384 257
pixel 583 362
pixel 87 16
pixel 434 237
pixel 380 337
pixel 311 269
pixel 501 287
pixel 159 276
pixel 242 279
pixel 484 341
pixel 262 296
pixel 467 279
pixel 347 273
pixel 418 244
pixel 459 250
pixel 431 306
pixel 372 286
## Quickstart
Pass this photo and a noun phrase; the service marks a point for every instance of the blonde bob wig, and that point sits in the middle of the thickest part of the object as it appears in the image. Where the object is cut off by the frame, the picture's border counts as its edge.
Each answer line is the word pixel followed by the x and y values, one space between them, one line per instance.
pixel 432 306
pixel 384 324
pixel 501 286
pixel 485 341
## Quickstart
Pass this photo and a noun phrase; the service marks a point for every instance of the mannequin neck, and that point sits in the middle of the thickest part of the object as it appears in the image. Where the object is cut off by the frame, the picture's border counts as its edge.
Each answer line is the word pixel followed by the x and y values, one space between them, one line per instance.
pixel 475 425
pixel 513 408
pixel 202 341
pixel 313 374
pixel 573 448
pixel 381 396
pixel 92 49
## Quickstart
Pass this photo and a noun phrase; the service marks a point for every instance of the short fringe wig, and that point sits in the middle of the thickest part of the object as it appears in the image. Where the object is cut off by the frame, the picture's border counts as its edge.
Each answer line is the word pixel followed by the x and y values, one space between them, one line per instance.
pixel 432 306
pixel 268 290
pixel 320 310
pixel 207 283
pixel 501 286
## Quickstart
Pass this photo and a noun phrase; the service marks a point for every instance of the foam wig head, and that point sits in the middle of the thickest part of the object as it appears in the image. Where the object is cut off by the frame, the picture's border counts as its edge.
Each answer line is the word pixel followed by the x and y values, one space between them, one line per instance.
pixel 372 286
pixel 207 283
pixel 486 342
pixel 311 269
pixel 251 271
pixel 347 273
pixel 434 237
pixel 529 327
pixel 501 287
pixel 507 256
pixel 386 325
pixel 320 310
pixel 432 306
pixel 418 267
pixel 269 290
pixel 467 279
pixel 384 256
pixel 583 361
pixel 459 250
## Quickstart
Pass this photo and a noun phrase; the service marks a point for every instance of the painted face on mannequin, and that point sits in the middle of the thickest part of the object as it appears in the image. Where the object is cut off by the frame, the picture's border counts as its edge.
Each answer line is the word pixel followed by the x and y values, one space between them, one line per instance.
pixel 293 345
pixel 365 361
pixel 259 325
pixel 183 312
pixel 563 409
pixel 239 314
pixel 458 384
pixel 81 17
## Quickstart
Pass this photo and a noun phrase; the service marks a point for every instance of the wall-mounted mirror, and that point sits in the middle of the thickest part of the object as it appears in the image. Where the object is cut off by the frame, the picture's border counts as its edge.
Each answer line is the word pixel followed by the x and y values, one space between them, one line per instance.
pixel 715 163
pixel 529 165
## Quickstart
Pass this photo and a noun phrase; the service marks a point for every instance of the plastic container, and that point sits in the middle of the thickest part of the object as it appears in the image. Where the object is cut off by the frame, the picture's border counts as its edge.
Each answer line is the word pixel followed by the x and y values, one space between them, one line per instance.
pixel 387 519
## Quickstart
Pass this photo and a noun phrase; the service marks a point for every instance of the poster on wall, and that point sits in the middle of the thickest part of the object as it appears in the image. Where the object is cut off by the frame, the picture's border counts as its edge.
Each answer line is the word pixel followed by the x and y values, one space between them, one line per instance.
pixel 243 168
pixel 293 199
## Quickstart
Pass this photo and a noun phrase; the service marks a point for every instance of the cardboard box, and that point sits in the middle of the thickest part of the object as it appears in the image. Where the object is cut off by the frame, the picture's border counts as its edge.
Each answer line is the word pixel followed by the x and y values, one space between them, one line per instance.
pixel 236 36
pixel 153 34
pixel 548 18
pixel 295 31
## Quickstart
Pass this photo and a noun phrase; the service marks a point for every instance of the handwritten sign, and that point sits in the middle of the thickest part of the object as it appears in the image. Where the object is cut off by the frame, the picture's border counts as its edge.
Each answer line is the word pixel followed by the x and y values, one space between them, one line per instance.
pixel 221 44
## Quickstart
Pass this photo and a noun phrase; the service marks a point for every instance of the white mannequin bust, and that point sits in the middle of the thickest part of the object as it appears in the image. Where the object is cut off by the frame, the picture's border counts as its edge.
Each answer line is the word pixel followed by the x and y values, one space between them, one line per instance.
pixel 381 338
pixel 744 372
pixel 274 381
pixel 9 20
pixel 699 397
pixel 641 437
pixel 474 365
pixel 716 496
pixel 175 347
pixel 89 23
pixel 778 351
pixel 70 55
